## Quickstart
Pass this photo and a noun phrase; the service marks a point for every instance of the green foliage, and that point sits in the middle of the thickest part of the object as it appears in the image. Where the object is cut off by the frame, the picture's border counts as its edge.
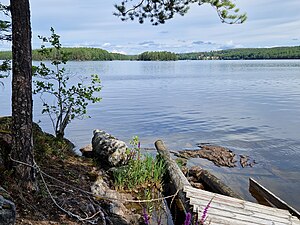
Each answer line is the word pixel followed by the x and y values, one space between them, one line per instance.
pixel 71 101
pixel 158 56
pixel 245 53
pixel 5 35
pixel 5 68
pixel 142 172
pixel 5 25
pixel 160 11
pixel 82 54
pixel 75 54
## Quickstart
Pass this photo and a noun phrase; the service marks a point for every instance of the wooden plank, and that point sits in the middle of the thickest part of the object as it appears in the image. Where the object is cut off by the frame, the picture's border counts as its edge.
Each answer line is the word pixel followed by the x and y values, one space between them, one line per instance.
pixel 205 195
pixel 238 213
pixel 229 221
pixel 271 197
pixel 216 218
pixel 253 211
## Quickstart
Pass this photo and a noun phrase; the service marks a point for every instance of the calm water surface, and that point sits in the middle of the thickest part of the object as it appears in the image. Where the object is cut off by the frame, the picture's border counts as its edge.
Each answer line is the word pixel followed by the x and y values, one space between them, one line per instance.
pixel 251 107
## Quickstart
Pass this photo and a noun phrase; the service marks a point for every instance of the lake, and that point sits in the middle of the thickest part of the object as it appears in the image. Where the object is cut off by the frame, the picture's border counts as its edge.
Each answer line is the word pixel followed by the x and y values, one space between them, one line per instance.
pixel 251 107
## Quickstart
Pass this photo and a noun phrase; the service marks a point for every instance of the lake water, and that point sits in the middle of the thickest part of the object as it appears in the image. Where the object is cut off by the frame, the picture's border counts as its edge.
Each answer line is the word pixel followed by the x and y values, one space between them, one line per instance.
pixel 251 107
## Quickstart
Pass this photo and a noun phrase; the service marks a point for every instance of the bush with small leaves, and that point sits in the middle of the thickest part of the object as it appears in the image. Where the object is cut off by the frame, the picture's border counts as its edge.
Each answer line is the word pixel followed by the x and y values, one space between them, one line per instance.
pixel 70 100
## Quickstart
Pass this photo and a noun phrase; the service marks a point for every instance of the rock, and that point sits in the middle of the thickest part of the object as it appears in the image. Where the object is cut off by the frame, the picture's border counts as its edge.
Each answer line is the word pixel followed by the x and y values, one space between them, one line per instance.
pixel 246 161
pixel 109 149
pixel 101 188
pixel 87 151
pixel 7 208
pixel 120 214
pixel 220 156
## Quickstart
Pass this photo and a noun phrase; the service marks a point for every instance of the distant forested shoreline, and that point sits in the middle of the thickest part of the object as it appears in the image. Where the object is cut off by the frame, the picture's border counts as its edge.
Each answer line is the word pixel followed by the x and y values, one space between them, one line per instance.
pixel 245 54
pixel 97 54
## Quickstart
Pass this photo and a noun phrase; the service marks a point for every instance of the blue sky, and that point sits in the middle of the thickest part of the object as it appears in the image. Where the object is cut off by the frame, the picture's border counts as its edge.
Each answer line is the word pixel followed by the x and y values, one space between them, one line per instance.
pixel 90 23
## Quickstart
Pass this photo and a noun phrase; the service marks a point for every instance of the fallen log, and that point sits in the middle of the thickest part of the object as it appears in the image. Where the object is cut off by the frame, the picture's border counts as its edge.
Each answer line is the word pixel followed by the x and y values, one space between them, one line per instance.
pixel 217 185
pixel 177 179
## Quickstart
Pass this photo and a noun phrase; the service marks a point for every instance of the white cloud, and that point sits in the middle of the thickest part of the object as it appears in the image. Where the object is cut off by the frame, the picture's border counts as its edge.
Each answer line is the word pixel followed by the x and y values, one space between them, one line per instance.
pixel 106 44
pixel 120 52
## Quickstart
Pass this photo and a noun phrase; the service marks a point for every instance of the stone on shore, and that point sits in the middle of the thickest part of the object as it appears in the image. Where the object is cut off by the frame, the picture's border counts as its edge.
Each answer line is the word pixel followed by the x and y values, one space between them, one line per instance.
pixel 87 151
pixel 7 208
pixel 109 149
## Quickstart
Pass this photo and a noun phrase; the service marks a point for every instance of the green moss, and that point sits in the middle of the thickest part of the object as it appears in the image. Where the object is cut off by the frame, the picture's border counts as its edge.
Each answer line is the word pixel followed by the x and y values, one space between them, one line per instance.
pixel 44 144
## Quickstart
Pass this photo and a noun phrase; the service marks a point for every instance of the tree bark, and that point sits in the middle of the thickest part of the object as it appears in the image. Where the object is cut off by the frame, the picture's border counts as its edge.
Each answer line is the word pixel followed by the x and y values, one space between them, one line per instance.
pixel 22 141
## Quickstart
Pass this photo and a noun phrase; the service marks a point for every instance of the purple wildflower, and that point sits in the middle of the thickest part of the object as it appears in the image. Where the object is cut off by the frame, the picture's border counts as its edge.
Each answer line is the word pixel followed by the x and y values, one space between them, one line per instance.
pixel 204 214
pixel 146 216
pixel 139 145
pixel 188 218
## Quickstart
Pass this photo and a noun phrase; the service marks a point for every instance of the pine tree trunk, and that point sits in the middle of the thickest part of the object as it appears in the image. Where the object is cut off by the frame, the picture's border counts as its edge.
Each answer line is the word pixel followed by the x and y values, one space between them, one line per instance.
pixel 22 143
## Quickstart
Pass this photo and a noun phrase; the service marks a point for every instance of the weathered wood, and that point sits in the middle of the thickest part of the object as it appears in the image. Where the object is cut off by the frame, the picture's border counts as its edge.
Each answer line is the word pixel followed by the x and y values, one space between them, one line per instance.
pixel 228 210
pixel 177 178
pixel 271 197
pixel 217 185
pixel 229 201
pixel 176 175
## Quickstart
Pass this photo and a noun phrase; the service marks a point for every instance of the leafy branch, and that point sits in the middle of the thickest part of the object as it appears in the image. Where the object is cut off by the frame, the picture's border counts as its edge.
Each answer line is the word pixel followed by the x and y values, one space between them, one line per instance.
pixel 158 11
pixel 71 101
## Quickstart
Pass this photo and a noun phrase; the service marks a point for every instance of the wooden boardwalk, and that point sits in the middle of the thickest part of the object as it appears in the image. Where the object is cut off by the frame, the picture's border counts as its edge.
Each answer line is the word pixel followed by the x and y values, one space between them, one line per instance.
pixel 223 210
pixel 232 211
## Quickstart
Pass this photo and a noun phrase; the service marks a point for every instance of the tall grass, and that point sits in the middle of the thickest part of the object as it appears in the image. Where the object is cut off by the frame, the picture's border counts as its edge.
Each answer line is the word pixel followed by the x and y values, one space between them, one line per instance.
pixel 142 171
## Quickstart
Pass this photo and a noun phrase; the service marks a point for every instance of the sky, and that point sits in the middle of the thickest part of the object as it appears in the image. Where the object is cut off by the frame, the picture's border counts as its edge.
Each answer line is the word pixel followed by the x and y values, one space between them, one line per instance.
pixel 91 23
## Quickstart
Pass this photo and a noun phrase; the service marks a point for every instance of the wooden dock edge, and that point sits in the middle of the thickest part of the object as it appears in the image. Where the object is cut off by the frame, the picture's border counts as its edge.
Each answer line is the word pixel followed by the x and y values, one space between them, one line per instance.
pixel 271 197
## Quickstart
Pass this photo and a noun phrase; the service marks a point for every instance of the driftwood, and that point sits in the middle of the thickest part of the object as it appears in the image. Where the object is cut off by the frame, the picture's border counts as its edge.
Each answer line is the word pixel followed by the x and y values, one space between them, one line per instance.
pixel 203 179
pixel 177 178
pixel 270 197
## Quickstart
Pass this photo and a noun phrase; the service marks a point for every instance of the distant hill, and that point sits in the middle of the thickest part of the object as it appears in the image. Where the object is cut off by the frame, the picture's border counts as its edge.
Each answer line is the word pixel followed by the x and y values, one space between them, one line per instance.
pixel 245 54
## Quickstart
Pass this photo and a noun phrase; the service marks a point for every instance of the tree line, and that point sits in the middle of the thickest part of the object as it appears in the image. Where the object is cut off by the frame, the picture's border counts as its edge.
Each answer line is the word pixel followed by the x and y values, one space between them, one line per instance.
pixel 95 54
pixel 98 54
pixel 74 54
pixel 158 56
pixel 245 54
